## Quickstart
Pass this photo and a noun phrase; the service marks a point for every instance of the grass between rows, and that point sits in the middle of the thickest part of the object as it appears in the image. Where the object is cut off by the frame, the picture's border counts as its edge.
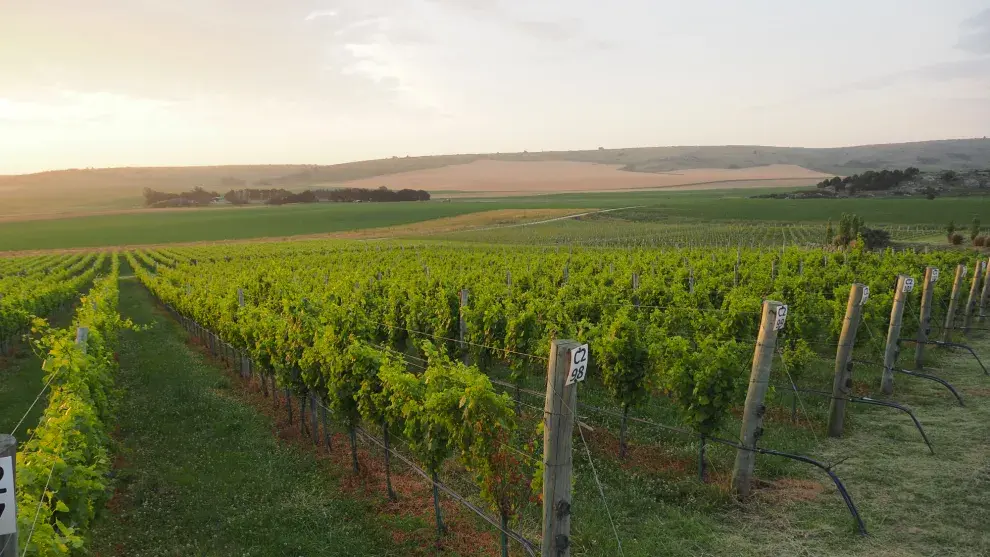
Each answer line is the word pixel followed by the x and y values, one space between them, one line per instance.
pixel 21 378
pixel 200 473
pixel 21 381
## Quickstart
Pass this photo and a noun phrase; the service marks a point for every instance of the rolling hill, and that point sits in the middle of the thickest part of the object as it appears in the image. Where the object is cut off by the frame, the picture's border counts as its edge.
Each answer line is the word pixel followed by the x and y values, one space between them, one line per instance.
pixel 84 190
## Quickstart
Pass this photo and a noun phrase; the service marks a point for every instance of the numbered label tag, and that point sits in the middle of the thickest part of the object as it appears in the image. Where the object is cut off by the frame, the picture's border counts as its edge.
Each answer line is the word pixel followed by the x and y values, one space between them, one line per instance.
pixel 908 284
pixel 866 295
pixel 579 365
pixel 8 503
pixel 778 324
pixel 935 274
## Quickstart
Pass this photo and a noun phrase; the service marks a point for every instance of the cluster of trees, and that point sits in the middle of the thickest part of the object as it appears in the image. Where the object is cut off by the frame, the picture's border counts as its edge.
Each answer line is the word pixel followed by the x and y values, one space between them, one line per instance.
pixel 278 196
pixel 244 196
pixel 289 197
pixel 195 196
pixel 852 229
pixel 381 194
pixel 870 180
pixel 975 236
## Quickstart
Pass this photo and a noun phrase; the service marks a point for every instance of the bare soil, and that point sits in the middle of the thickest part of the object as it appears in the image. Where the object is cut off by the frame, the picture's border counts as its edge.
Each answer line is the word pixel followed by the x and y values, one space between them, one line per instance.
pixel 491 177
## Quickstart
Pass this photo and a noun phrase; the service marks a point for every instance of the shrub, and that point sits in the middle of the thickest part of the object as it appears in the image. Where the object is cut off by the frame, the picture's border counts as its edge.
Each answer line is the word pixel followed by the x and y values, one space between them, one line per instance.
pixel 956 239
pixel 980 241
pixel 875 238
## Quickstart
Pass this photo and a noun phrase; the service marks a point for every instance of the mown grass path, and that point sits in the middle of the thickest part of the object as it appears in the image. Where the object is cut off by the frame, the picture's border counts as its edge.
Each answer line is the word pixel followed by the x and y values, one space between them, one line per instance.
pixel 200 473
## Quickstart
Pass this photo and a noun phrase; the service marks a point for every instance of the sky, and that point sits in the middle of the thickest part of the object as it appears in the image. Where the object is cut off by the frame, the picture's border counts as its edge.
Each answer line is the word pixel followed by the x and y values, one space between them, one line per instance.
pixel 199 82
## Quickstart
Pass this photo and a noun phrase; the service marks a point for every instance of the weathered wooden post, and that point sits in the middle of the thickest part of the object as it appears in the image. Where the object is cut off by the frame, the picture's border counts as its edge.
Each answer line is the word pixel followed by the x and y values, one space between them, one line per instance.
pixel 244 359
pixel 774 315
pixel 314 425
pixel 558 410
pixel 463 322
pixel 986 290
pixel 925 319
pixel 82 336
pixel 950 314
pixel 842 383
pixel 735 274
pixel 905 284
pixel 8 499
pixel 972 299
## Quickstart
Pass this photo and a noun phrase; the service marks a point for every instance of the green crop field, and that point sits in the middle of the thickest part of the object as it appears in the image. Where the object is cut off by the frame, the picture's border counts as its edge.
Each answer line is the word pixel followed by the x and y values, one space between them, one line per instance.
pixel 214 224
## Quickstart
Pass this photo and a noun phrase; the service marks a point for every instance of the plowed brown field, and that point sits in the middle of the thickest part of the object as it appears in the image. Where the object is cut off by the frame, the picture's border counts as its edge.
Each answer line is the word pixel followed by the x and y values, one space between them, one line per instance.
pixel 488 177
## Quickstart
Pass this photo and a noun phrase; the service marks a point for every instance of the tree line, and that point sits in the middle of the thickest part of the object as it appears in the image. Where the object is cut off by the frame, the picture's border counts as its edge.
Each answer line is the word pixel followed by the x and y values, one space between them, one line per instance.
pixel 870 180
pixel 278 196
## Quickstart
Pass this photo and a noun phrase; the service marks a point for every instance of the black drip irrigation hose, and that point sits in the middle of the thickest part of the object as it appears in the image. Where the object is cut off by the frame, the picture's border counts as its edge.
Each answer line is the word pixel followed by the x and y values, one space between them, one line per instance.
pixel 872 401
pixel 943 382
pixel 835 479
pixel 918 374
pixel 800 458
pixel 950 345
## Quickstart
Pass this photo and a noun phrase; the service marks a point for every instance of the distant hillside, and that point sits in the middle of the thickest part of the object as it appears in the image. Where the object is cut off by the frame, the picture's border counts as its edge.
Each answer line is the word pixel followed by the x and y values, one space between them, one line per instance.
pixel 117 188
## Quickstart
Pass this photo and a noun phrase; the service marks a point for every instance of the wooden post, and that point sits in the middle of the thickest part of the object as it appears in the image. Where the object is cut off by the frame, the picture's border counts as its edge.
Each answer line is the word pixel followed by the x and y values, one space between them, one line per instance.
pixel 558 410
pixel 8 511
pixel 950 314
pixel 314 425
pixel 82 336
pixel 463 323
pixel 904 285
pixel 971 300
pixel 842 383
pixel 986 290
pixel 735 276
pixel 759 380
pixel 925 319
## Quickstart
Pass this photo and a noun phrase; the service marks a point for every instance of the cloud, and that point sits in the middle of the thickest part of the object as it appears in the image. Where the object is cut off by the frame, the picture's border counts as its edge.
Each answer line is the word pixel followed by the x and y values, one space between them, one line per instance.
pixel 71 107
pixel 320 13
pixel 976 34
pixel 564 29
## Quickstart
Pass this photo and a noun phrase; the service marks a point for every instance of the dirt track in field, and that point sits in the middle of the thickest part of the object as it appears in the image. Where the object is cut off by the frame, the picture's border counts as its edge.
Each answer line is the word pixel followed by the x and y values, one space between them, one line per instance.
pixel 488 177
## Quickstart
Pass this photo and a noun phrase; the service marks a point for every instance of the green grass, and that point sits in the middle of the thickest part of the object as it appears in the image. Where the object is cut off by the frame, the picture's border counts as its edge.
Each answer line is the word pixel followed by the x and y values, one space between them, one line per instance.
pixel 212 224
pixel 242 223
pixel 200 473
pixel 21 378
pixel 913 503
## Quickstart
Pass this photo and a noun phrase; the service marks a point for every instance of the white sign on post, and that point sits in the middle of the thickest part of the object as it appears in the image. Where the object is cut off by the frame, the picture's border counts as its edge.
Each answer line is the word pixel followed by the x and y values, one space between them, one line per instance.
pixel 781 318
pixel 935 274
pixel 578 366
pixel 8 503
pixel 866 295
pixel 908 284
